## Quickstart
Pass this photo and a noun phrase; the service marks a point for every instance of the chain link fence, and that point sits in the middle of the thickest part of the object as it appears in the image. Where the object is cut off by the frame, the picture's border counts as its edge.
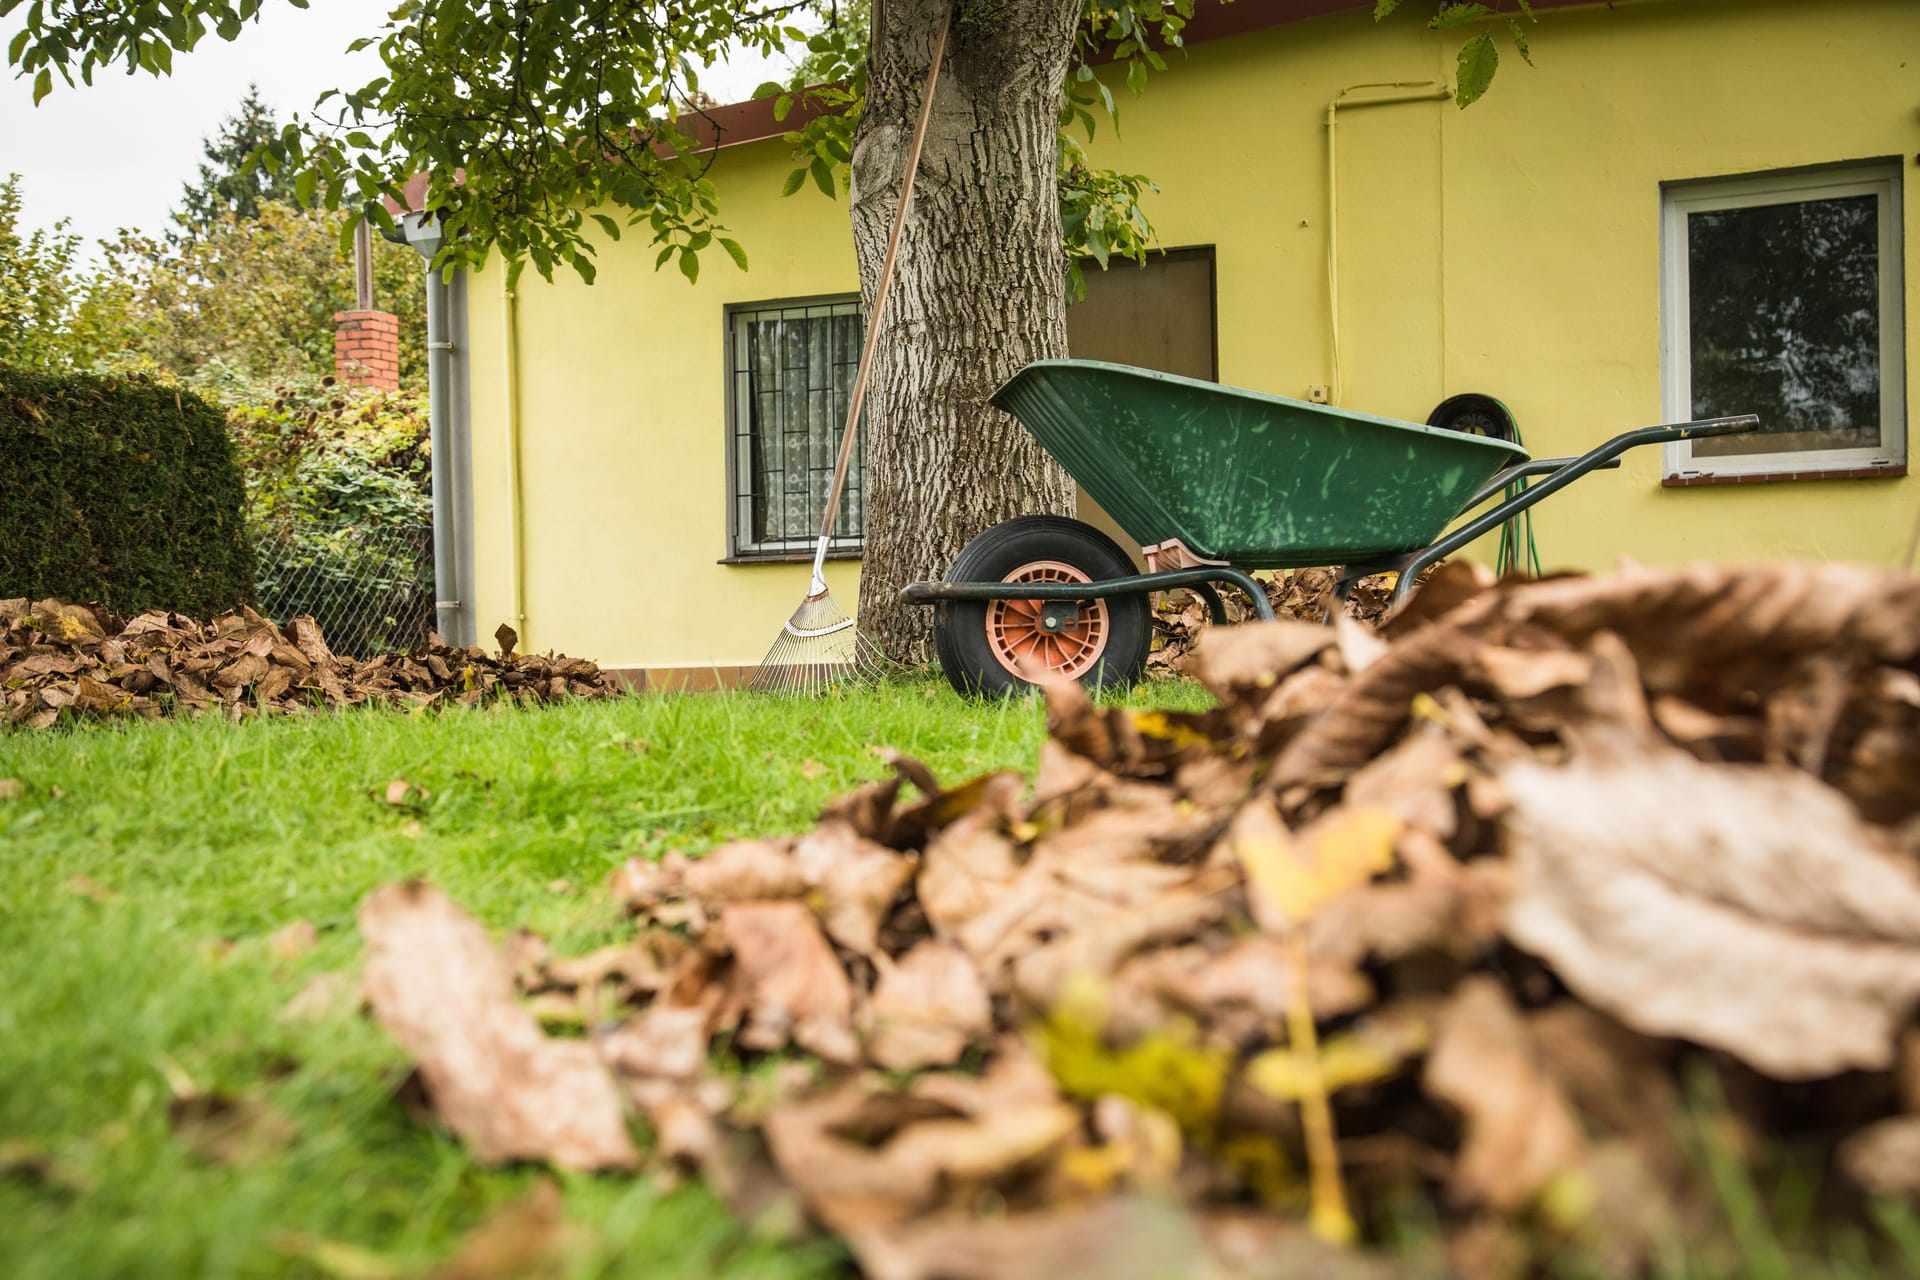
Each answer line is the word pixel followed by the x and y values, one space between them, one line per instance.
pixel 370 587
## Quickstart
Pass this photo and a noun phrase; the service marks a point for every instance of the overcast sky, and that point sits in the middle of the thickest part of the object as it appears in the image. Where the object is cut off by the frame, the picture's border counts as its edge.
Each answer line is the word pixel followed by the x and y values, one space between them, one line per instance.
pixel 116 153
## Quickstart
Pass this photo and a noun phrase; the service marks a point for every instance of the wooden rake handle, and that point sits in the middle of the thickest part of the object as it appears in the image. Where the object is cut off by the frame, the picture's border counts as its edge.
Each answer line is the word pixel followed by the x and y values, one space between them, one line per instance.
pixel 886 281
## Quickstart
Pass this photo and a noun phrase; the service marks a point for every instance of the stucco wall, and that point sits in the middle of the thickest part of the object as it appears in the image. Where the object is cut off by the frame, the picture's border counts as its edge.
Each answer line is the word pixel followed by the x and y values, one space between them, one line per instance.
pixel 1513 249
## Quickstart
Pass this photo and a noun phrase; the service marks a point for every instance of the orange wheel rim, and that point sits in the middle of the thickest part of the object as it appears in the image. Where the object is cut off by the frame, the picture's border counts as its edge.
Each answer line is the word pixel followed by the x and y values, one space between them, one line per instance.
pixel 1023 644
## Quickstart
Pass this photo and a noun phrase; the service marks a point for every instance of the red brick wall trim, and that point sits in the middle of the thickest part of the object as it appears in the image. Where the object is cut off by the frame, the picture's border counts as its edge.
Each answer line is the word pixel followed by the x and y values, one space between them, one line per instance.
pixel 1775 477
pixel 679 679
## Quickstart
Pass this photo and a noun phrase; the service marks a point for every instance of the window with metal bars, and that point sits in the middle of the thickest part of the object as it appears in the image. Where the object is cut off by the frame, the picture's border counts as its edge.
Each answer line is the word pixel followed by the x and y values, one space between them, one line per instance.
pixel 790 369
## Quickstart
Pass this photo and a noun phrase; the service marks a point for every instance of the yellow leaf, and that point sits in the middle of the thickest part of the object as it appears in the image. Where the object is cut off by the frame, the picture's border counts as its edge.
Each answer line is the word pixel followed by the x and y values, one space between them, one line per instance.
pixel 1359 1057
pixel 1292 876
pixel 1170 1070
pixel 1156 724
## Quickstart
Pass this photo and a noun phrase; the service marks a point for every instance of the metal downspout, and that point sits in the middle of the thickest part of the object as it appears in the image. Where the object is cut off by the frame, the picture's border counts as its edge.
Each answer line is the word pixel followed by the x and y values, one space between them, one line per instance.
pixel 510 326
pixel 446 542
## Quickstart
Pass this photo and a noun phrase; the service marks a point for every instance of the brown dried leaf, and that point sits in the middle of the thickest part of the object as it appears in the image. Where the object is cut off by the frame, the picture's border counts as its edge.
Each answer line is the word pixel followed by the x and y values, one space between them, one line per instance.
pixel 926 1009
pixel 527 1238
pixel 968 866
pixel 440 987
pixel 745 871
pixel 1884 1157
pixel 1118 1238
pixel 295 939
pixel 1238 662
pixel 325 998
pixel 856 880
pixel 795 987
pixel 229 1130
pixel 1528 673
pixel 1658 887
pixel 861 1159
pixel 666 1041
pixel 1521 1130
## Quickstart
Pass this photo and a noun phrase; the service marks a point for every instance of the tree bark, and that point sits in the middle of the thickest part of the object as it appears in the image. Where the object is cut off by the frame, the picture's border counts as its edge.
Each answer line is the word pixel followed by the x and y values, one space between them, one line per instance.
pixel 979 287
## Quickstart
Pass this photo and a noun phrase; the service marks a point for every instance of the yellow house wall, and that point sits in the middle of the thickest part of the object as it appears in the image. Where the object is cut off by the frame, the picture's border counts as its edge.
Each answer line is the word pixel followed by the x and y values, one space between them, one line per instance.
pixel 1512 249
pixel 622 406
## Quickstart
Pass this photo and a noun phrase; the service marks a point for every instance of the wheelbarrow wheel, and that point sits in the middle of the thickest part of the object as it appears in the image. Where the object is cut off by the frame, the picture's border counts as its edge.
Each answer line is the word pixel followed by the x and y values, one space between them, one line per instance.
pixel 995 648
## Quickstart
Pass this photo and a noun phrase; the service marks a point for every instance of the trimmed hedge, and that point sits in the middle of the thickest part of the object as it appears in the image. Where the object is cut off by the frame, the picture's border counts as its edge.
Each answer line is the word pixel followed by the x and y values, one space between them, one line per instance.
pixel 119 491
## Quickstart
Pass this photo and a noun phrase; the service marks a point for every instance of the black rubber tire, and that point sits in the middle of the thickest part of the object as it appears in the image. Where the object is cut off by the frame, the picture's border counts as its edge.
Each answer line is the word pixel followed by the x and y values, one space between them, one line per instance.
pixel 960 629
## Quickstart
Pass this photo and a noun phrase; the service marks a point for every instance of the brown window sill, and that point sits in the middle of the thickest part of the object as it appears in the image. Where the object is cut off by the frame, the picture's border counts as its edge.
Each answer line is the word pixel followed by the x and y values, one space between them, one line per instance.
pixel 1775 477
pixel 786 557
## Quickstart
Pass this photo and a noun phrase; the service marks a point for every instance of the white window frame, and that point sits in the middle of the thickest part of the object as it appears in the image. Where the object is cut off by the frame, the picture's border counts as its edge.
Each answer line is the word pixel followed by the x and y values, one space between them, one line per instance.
pixel 1880 179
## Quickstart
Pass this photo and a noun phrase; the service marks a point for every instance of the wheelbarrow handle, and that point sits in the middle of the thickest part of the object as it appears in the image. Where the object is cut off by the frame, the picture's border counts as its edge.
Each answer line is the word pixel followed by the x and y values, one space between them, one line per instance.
pixel 1547 466
pixel 1594 459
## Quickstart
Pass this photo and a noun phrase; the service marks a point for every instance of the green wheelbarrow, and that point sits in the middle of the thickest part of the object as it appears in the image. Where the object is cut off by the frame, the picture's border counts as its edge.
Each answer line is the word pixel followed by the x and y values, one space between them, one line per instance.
pixel 1214 482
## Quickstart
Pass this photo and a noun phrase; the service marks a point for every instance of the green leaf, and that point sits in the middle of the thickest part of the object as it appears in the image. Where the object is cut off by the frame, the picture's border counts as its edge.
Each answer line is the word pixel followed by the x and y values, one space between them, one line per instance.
pixel 303 186
pixel 690 265
pixel 361 140
pixel 793 182
pixel 735 252
pixel 768 89
pixel 1459 15
pixel 1382 8
pixel 1097 245
pixel 1137 78
pixel 1519 40
pixel 18 46
pixel 661 261
pixel 1526 7
pixel 163 57
pixel 781 106
pixel 1478 61
pixel 823 177
pixel 42 85
pixel 608 225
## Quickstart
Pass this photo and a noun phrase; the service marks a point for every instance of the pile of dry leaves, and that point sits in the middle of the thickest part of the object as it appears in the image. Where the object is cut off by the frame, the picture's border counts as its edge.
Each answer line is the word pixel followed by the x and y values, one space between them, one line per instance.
pixel 84 661
pixel 1306 594
pixel 1477 914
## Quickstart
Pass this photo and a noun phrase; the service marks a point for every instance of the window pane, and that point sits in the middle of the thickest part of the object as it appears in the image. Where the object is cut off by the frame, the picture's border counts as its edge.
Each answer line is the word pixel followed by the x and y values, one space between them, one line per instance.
pixel 1785 321
pixel 790 404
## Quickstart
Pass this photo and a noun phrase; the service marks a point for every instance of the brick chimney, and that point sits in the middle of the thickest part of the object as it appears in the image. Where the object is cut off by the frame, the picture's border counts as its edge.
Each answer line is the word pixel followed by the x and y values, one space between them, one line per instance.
pixel 366 349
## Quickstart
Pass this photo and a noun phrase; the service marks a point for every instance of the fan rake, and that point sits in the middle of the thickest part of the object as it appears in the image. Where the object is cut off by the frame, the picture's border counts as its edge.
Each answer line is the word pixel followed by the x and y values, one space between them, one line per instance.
pixel 821 645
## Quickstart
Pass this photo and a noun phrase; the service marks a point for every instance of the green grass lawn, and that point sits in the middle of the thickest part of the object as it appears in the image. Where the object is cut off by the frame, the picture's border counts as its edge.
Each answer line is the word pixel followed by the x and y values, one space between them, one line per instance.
pixel 144 867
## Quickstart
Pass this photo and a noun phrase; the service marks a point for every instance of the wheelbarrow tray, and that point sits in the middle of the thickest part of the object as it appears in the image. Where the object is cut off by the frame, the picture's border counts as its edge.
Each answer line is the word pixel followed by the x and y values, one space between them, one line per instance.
pixel 1259 481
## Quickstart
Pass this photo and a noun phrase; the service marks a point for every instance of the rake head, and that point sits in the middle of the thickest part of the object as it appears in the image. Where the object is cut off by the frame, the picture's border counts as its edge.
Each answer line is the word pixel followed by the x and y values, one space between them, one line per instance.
pixel 818 649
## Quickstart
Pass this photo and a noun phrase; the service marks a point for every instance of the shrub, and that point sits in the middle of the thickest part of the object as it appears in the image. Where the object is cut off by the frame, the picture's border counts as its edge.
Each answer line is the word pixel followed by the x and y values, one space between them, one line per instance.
pixel 119 490
pixel 340 508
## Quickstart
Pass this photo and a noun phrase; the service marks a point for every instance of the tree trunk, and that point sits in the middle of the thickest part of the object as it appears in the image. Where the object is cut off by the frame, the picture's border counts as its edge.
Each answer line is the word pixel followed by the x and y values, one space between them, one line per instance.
pixel 979 287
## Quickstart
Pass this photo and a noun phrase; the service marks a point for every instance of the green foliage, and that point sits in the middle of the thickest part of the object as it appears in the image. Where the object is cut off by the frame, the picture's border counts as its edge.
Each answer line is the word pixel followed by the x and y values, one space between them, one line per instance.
pixel 119 490
pixel 50 318
pixel 318 454
pixel 253 297
pixel 339 506
pixel 1479 57
pixel 241 298
pixel 526 116
pixel 229 181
